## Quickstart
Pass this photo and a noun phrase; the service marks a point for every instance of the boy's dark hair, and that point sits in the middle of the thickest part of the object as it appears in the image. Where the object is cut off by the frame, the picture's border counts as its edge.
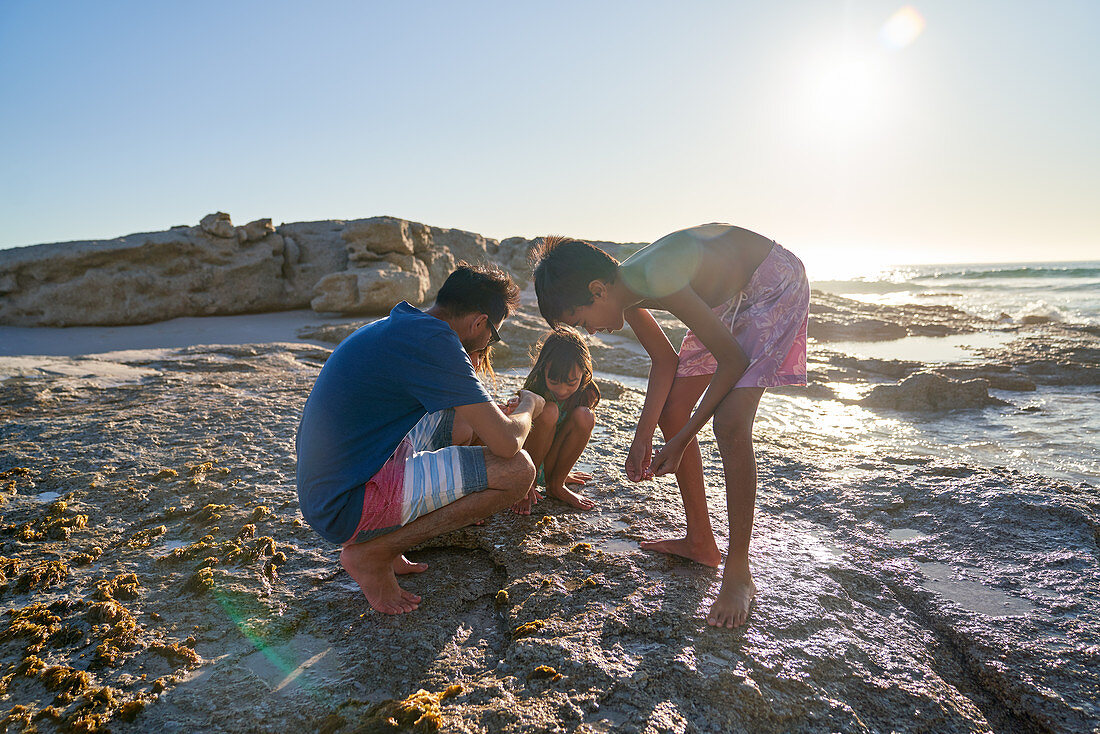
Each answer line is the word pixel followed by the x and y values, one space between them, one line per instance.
pixel 479 289
pixel 563 269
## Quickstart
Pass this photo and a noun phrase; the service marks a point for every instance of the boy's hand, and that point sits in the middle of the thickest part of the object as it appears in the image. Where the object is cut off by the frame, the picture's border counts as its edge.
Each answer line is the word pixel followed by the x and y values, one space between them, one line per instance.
pixel 667 460
pixel 637 461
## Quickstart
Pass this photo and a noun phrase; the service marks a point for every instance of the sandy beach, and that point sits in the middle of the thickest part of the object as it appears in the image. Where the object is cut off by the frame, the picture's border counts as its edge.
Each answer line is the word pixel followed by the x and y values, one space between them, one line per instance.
pixel 158 576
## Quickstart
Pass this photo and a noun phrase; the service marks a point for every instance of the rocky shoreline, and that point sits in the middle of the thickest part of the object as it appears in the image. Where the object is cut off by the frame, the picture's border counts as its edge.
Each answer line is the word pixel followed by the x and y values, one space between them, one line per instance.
pixel 157 576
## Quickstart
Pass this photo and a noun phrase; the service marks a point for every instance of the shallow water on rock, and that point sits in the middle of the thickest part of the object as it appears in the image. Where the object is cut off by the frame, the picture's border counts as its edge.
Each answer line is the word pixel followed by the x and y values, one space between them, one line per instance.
pixel 927 349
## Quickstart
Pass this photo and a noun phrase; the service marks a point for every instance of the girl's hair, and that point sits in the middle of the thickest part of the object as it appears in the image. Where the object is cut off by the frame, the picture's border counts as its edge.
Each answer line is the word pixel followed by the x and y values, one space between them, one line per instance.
pixel 563 269
pixel 484 366
pixel 558 351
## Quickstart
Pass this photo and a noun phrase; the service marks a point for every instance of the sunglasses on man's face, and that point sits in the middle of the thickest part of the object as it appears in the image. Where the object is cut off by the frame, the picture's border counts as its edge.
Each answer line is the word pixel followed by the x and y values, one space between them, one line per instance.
pixel 494 337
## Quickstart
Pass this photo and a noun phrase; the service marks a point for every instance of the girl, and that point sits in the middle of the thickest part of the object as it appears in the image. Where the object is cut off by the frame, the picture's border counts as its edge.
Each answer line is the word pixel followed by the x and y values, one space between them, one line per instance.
pixel 562 375
pixel 745 300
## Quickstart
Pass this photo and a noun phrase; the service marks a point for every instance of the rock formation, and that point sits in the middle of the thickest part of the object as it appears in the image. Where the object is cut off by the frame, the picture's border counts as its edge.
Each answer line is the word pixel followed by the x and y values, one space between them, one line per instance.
pixel 215 268
pixel 931 392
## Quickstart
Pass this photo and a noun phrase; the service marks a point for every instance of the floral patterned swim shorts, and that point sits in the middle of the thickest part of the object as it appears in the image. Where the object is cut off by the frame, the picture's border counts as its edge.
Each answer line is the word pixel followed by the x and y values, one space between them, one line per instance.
pixel 768 319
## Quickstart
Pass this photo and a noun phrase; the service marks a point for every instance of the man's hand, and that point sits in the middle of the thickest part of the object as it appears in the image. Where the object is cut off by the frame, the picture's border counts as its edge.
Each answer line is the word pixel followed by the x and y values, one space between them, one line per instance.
pixel 532 402
pixel 637 461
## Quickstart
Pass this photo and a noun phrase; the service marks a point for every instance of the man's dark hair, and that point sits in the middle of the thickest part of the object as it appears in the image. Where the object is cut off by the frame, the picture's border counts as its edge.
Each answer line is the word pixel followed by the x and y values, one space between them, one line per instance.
pixel 563 270
pixel 479 289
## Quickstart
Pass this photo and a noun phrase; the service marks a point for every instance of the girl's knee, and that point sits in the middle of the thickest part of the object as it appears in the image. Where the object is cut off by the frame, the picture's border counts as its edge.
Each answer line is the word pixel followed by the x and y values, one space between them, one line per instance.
pixel 549 413
pixel 583 418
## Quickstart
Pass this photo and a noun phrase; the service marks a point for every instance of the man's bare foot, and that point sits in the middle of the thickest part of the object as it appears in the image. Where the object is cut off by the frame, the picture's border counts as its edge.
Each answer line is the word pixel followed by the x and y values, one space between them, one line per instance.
pixel 731 608
pixel 402 566
pixel 706 553
pixel 571 498
pixel 523 507
pixel 374 574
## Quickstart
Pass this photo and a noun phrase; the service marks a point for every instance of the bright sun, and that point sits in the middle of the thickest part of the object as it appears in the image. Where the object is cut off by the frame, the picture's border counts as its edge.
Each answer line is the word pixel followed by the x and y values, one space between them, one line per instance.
pixel 846 93
pixel 849 91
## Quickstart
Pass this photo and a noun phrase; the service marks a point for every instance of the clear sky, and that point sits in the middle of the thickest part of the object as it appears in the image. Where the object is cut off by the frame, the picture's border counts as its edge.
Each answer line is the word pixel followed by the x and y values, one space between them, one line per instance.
pixel 958 131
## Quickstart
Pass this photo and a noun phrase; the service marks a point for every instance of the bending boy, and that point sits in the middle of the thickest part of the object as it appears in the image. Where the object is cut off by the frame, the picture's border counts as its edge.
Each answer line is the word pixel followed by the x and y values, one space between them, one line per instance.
pixel 745 301
pixel 377 471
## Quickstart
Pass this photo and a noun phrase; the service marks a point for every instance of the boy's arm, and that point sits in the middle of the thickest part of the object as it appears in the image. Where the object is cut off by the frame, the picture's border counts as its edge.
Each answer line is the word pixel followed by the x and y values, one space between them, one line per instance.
pixel 732 363
pixel 662 372
pixel 503 434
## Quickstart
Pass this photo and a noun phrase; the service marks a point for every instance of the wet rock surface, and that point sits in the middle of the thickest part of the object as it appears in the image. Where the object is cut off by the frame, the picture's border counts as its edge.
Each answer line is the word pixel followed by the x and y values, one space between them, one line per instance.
pixel 836 318
pixel 156 573
pixel 929 391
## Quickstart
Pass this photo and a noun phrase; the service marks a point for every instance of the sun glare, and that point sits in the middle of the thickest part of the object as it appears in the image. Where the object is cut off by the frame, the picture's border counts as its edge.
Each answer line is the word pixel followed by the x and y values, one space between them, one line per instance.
pixel 903 28
pixel 849 89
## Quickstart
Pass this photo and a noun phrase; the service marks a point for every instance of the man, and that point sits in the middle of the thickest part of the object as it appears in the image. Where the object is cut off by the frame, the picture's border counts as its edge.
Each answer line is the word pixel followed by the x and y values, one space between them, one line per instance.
pixel 377 471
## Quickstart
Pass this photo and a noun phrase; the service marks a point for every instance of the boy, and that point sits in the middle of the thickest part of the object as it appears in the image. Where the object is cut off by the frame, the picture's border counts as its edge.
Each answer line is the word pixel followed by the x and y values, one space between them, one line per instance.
pixel 745 301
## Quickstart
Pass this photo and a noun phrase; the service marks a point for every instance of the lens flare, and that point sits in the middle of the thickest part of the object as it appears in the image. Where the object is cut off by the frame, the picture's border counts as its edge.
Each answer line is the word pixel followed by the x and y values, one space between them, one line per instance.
pixel 903 28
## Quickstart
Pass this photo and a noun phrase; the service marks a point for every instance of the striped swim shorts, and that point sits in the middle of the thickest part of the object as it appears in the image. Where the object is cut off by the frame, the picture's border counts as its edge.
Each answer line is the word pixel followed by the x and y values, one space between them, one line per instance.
pixel 425 473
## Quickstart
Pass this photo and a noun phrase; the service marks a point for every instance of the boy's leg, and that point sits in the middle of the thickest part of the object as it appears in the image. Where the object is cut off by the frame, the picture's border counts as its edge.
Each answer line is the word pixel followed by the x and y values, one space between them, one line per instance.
pixel 733 432
pixel 537 445
pixel 569 443
pixel 699 544
pixel 371 563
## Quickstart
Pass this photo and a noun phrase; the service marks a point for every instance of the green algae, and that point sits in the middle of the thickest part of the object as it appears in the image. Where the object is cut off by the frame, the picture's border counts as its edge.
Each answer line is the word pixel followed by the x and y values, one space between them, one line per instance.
pixel 143 538
pixel 421 712
pixel 544 672
pixel 47 573
pixel 200 582
pixel 86 557
pixel 124 586
pixel 528 628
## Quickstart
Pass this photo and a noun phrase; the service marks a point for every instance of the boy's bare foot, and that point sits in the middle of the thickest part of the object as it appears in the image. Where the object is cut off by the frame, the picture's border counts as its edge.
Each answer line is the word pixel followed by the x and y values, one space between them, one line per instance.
pixel 571 498
pixel 402 565
pixel 706 553
pixel 374 573
pixel 731 608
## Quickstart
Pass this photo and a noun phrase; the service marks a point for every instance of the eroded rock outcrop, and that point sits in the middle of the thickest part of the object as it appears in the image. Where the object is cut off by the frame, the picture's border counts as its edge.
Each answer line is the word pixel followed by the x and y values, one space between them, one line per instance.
pixel 216 268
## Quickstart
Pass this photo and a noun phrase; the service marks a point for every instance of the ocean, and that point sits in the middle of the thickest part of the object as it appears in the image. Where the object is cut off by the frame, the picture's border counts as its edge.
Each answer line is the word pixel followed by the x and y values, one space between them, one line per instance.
pixel 1067 292
pixel 1052 431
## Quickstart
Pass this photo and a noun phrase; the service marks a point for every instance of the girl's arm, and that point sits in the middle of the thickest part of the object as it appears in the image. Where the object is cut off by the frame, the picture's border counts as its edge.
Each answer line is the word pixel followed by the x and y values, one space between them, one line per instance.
pixel 732 363
pixel 661 375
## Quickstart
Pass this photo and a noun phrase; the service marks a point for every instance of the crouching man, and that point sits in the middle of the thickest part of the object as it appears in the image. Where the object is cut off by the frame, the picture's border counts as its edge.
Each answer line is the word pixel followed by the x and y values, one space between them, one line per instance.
pixel 377 469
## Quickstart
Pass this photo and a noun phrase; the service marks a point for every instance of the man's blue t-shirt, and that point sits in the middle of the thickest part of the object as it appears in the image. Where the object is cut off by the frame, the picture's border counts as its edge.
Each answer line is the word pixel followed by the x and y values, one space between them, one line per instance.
pixel 377 384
